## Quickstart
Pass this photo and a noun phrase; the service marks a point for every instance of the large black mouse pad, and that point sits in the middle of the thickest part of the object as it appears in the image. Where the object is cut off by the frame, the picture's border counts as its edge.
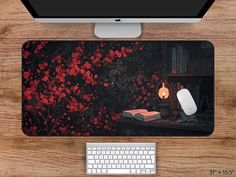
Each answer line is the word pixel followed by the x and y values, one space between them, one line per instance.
pixel 84 88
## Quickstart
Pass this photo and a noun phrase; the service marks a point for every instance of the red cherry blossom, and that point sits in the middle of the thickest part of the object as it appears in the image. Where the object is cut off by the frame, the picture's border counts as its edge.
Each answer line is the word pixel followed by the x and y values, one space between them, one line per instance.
pixel 26 75
pixel 75 88
pixel 87 65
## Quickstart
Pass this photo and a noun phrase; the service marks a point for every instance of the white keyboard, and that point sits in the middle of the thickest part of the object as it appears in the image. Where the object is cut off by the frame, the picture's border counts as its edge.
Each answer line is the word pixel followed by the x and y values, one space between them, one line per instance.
pixel 121 158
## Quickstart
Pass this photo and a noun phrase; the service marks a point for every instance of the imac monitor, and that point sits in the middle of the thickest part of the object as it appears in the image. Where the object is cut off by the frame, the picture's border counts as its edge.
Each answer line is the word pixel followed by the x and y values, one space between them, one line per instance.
pixel 117 18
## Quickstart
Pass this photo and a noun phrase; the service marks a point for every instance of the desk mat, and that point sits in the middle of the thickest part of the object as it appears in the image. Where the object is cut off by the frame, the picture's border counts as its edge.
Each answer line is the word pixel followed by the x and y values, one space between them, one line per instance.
pixel 81 88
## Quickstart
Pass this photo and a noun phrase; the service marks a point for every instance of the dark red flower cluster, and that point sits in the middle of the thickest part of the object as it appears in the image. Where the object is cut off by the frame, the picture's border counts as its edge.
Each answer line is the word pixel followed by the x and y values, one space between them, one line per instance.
pixel 147 91
pixel 64 92
pixel 74 106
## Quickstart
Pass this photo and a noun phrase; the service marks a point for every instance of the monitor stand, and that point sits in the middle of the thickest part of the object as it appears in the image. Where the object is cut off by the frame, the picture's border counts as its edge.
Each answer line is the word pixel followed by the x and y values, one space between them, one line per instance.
pixel 117 30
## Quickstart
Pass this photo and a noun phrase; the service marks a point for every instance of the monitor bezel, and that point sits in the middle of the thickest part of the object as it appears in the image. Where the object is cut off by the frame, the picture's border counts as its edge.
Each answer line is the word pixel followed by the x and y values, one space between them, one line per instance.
pixel 200 14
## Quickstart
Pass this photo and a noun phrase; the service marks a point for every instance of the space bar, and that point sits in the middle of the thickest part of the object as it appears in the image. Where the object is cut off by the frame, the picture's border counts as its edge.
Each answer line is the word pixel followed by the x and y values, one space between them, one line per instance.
pixel 118 171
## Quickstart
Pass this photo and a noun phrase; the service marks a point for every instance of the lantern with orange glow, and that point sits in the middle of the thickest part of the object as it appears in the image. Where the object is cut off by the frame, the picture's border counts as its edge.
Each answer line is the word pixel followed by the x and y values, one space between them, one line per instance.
pixel 163 96
pixel 163 91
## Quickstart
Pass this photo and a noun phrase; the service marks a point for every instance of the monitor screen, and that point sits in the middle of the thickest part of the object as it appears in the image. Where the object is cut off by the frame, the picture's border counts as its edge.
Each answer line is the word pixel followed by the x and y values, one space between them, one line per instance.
pixel 121 8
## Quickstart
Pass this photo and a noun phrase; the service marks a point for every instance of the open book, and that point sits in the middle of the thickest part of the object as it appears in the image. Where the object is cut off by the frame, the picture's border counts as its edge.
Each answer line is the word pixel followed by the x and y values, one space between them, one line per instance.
pixel 142 114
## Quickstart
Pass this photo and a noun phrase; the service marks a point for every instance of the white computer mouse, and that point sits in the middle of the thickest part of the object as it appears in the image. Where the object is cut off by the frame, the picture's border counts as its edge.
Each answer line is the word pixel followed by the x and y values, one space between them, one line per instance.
pixel 187 102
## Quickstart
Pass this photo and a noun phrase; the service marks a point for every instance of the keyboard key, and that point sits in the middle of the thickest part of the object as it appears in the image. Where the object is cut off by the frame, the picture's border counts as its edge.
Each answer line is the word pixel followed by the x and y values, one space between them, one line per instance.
pixel 104 170
pixel 89 157
pixel 89 171
pixel 149 166
pixel 151 152
pixel 91 161
pixel 118 171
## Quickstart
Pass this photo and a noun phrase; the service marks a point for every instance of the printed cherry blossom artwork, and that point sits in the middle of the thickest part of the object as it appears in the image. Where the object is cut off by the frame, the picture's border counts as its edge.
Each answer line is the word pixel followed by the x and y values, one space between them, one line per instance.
pixel 72 88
